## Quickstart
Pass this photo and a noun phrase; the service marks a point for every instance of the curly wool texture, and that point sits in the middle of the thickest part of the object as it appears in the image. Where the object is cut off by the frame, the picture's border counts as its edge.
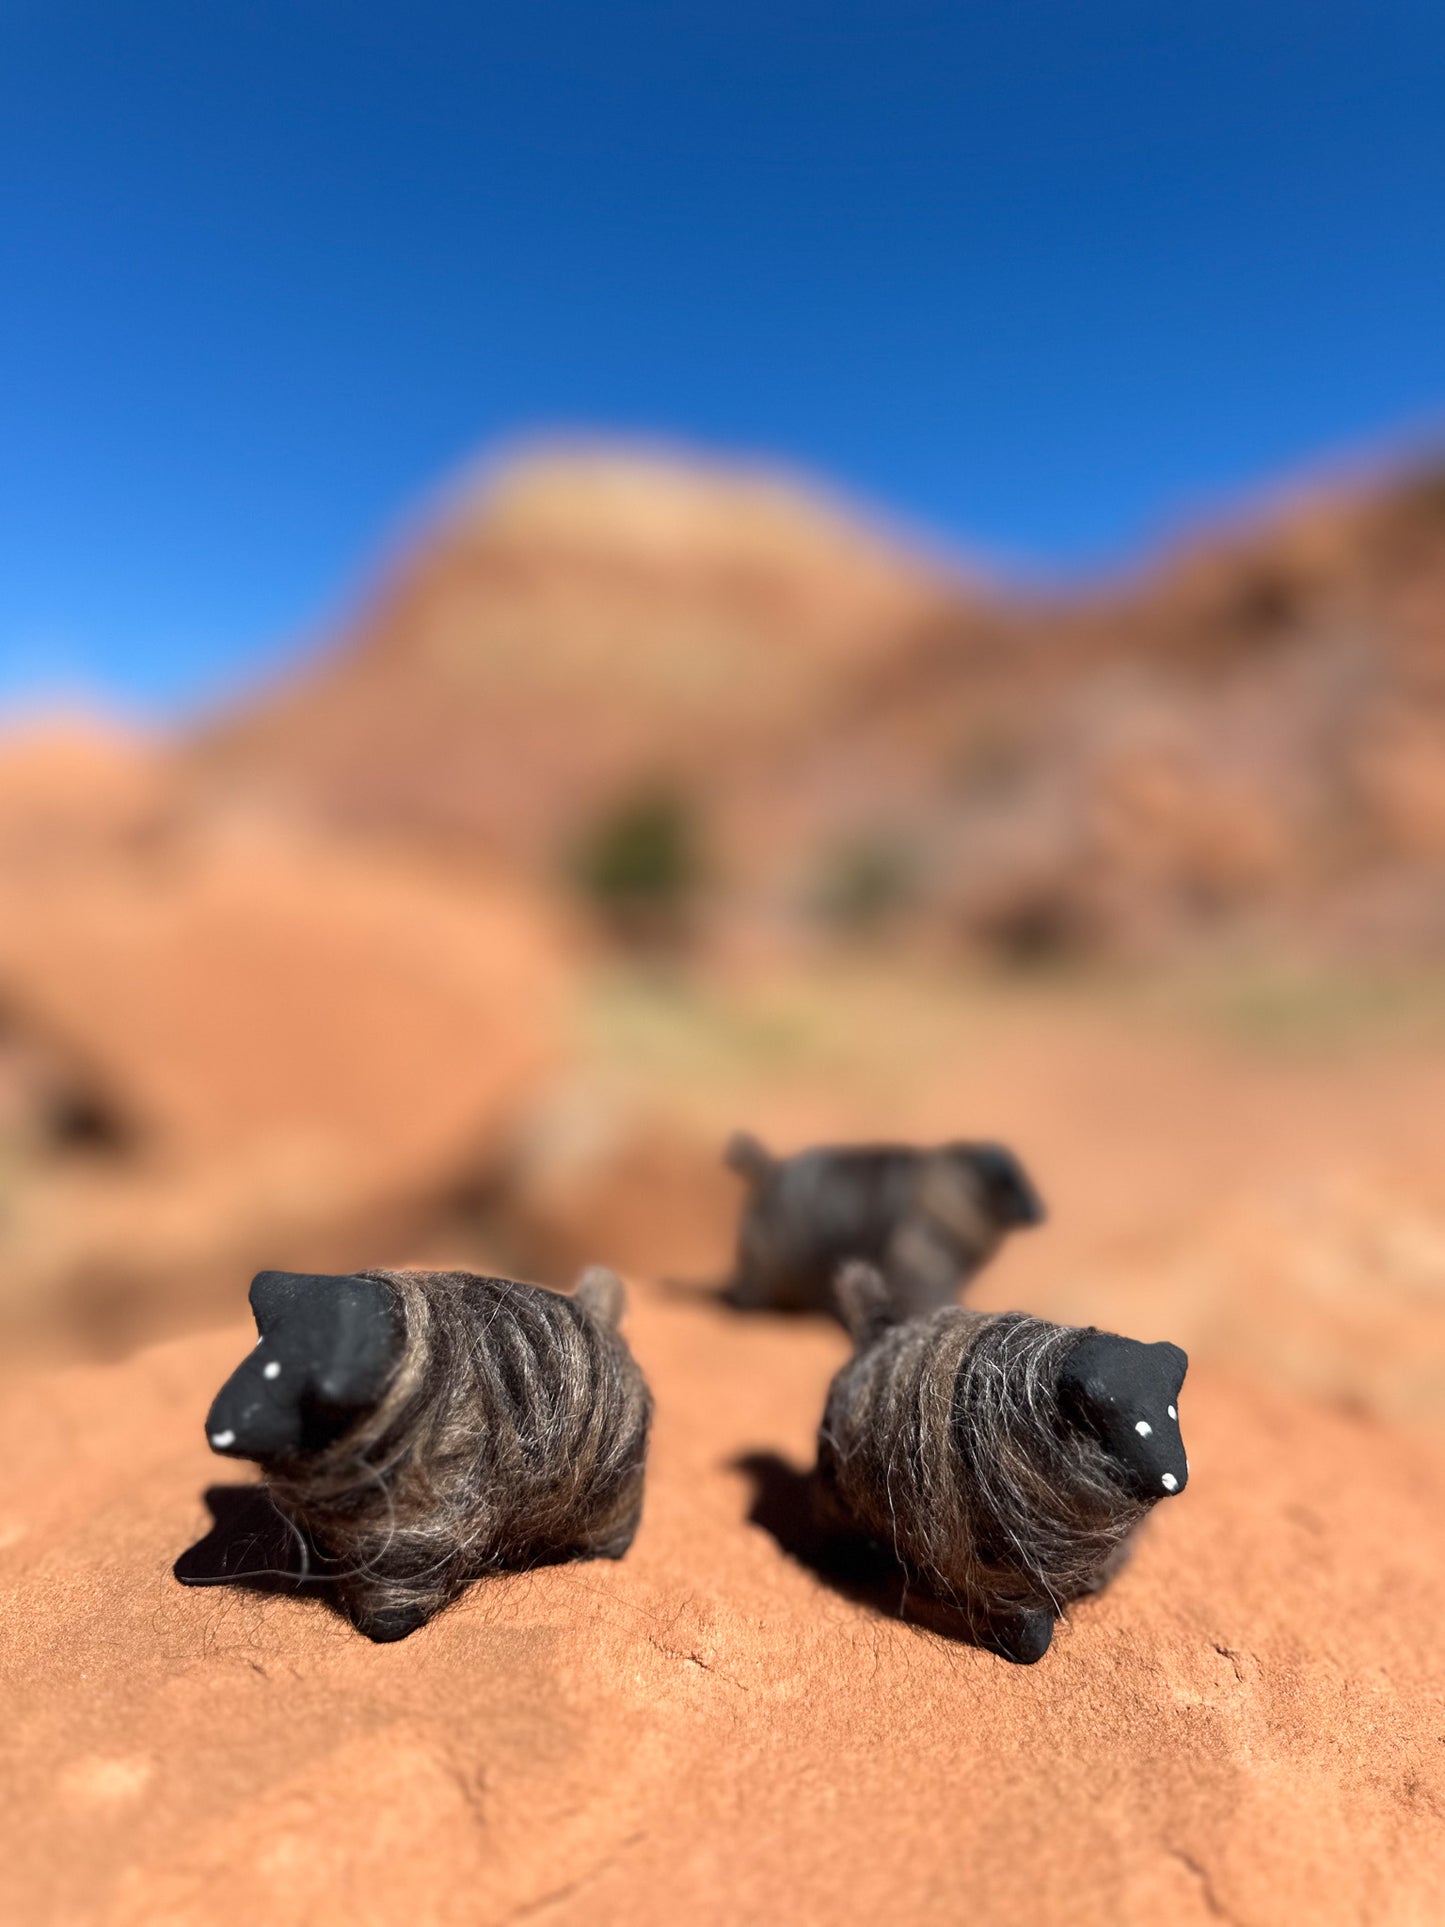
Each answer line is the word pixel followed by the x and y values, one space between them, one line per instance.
pixel 513 1432
pixel 944 1441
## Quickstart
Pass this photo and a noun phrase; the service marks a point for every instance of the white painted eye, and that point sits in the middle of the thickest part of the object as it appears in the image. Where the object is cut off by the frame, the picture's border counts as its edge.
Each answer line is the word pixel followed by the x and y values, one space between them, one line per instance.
pixel 1143 1428
pixel 1172 1412
pixel 273 1370
pixel 1169 1482
pixel 222 1439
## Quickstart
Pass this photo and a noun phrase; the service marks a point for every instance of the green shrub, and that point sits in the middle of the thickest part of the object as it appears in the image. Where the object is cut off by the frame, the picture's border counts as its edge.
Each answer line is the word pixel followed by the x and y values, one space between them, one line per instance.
pixel 640 867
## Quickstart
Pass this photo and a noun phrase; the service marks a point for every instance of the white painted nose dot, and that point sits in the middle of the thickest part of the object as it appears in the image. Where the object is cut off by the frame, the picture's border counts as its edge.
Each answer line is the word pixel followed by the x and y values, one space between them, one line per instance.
pixel 1172 1412
pixel 273 1370
pixel 1169 1482
pixel 1143 1428
pixel 222 1439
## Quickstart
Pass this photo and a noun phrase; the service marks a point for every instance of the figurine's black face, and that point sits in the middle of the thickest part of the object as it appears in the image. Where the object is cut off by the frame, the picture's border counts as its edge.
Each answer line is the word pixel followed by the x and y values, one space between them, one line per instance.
pixel 1007 1188
pixel 327 1349
pixel 1127 1394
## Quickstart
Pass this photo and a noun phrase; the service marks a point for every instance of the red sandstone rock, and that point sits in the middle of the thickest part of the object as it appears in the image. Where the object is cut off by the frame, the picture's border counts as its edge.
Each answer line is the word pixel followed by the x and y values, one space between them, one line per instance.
pixel 1242 739
pixel 1245 1727
pixel 291 1048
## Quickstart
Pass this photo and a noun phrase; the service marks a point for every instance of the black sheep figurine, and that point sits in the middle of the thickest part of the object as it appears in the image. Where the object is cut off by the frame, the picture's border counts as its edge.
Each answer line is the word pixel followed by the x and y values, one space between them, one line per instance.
pixel 928 1219
pixel 420 1429
pixel 1003 1461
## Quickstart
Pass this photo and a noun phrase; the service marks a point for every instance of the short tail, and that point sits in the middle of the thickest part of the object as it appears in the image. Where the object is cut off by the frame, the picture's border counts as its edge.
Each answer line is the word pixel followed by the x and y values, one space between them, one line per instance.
pixel 746 1155
pixel 601 1292
pixel 865 1301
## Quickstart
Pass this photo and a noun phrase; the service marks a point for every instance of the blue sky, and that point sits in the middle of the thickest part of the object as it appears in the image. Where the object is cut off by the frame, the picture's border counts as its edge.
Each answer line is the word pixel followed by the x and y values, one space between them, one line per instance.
pixel 1046 278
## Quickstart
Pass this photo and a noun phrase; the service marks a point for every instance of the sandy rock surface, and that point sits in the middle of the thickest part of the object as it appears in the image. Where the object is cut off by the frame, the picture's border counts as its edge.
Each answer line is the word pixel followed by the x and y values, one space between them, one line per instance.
pixel 1248 1727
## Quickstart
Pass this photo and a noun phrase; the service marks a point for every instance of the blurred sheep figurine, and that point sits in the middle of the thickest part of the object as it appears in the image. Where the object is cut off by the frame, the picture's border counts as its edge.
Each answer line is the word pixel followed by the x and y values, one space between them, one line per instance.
pixel 420 1429
pixel 1004 1461
pixel 929 1219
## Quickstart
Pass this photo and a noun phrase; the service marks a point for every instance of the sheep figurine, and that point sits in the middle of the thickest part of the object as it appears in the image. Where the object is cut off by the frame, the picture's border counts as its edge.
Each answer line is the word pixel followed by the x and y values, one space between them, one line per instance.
pixel 929 1219
pixel 1002 1461
pixel 420 1429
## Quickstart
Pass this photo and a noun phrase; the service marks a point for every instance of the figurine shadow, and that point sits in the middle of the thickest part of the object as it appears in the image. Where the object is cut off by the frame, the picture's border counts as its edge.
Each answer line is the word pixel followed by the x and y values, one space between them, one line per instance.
pixel 723 1294
pixel 785 1505
pixel 252 1547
